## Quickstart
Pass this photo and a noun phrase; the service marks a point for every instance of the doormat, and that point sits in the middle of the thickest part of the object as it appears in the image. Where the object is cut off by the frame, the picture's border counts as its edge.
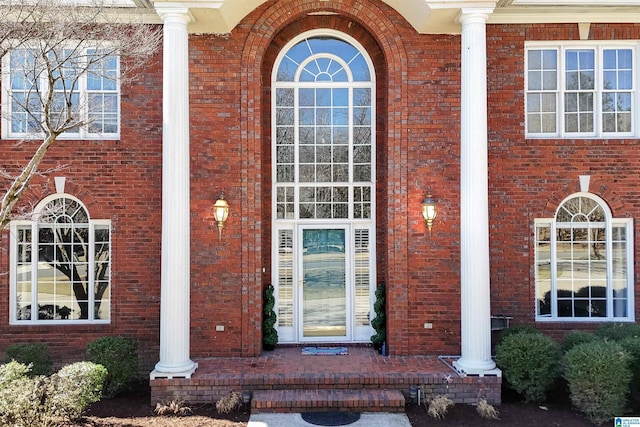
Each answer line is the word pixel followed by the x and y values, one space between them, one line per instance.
pixel 332 418
pixel 325 351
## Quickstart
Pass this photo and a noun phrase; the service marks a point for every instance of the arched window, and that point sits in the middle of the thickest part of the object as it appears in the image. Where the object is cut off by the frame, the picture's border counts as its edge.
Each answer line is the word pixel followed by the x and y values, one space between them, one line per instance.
pixel 60 265
pixel 584 263
pixel 323 133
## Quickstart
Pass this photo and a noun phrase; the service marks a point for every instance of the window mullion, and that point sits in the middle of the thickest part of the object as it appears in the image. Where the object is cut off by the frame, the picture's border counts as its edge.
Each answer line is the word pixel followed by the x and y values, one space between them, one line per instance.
pixel 554 270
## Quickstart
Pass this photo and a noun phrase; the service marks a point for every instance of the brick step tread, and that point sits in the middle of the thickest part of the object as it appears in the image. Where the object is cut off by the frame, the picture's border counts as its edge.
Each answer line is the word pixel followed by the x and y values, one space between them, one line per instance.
pixel 297 400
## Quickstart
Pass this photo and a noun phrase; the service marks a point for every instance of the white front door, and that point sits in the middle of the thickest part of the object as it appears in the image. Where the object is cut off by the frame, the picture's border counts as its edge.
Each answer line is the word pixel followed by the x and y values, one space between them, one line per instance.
pixel 325 288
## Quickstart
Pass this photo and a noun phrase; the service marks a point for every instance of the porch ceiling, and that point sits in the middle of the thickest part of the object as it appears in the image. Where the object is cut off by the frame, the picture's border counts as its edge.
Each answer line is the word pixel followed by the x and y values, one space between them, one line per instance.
pixel 429 16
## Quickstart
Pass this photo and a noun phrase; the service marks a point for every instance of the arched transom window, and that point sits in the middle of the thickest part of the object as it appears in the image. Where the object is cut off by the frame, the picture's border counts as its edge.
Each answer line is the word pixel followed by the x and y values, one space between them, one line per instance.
pixel 584 262
pixel 323 131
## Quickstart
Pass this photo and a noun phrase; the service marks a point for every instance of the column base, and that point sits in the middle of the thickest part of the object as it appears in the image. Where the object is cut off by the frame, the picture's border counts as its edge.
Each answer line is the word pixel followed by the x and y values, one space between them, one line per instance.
pixel 477 368
pixel 184 371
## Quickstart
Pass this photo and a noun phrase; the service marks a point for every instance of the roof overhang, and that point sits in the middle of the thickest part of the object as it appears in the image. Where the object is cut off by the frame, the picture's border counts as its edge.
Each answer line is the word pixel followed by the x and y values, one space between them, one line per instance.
pixel 426 16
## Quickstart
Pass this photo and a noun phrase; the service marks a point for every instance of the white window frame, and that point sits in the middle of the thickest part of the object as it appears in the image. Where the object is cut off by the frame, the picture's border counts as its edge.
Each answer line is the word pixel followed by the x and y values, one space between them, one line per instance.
pixel 598 47
pixel 627 223
pixel 13 273
pixel 83 132
pixel 289 333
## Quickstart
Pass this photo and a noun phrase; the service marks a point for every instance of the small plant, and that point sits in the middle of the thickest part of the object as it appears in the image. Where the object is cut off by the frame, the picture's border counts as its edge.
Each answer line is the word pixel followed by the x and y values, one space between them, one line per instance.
pixel 120 356
pixel 43 401
pixel 175 407
pixel 529 363
pixel 379 323
pixel 517 329
pixel 486 410
pixel 574 338
pixel 269 319
pixel 228 403
pixel 618 331
pixel 74 387
pixel 632 347
pixel 35 354
pixel 598 376
pixel 439 406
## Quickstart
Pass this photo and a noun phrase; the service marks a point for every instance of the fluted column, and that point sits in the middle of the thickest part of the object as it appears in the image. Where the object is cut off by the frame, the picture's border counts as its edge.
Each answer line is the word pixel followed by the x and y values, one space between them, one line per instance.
pixel 175 269
pixel 474 209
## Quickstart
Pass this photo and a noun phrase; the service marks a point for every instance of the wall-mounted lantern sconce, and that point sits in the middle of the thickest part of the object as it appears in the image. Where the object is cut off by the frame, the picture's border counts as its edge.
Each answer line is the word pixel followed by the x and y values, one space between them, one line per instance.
pixel 220 213
pixel 429 211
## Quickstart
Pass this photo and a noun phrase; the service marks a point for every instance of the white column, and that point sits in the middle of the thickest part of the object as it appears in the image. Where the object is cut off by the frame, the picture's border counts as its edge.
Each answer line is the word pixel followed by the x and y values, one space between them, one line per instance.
pixel 175 269
pixel 474 210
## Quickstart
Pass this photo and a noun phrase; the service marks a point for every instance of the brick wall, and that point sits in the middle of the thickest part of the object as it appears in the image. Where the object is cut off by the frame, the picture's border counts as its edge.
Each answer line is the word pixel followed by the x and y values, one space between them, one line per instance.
pixel 528 178
pixel 119 181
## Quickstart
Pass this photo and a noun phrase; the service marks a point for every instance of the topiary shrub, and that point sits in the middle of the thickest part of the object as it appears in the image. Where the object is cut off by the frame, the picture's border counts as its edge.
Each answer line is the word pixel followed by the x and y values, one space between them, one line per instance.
pixel 598 376
pixel 529 363
pixel 576 337
pixel 35 354
pixel 120 356
pixel 618 331
pixel 269 319
pixel 379 323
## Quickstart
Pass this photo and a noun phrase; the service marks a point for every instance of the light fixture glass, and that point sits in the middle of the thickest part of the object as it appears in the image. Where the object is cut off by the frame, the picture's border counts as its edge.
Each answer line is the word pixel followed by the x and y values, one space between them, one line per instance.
pixel 220 213
pixel 429 211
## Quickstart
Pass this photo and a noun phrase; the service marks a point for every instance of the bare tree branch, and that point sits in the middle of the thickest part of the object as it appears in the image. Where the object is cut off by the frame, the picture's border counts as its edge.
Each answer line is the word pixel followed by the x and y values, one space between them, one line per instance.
pixel 49 46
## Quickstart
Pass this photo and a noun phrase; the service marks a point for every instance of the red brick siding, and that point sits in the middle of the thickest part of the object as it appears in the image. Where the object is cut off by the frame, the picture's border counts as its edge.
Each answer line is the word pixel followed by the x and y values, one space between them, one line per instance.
pixel 528 178
pixel 116 180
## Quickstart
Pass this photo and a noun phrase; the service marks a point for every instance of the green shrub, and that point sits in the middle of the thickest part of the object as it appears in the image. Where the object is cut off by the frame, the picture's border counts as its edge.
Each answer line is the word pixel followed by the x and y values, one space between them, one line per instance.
pixel 529 363
pixel 517 329
pixel 598 376
pixel 74 387
pixel 574 338
pixel 43 401
pixel 618 331
pixel 379 323
pixel 632 347
pixel 269 319
pixel 35 354
pixel 120 356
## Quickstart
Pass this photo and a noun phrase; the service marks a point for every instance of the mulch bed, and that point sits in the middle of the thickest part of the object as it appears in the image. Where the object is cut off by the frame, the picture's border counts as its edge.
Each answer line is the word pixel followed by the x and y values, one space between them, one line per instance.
pixel 134 410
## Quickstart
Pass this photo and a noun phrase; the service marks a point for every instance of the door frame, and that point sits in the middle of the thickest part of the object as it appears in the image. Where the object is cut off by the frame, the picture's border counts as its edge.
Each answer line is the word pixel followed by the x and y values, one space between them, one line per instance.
pixel 298 254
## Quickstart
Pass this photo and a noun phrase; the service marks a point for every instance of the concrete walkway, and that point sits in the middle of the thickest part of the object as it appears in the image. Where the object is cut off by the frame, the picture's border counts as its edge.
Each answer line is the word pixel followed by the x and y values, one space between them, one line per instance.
pixel 367 419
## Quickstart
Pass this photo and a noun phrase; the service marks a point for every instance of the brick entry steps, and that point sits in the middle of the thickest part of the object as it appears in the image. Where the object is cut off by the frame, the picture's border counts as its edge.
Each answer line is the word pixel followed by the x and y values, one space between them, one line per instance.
pixel 360 400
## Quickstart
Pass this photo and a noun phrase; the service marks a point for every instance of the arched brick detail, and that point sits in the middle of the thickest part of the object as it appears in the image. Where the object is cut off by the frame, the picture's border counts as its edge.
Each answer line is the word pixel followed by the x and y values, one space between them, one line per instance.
pixel 596 187
pixel 289 16
pixel 38 191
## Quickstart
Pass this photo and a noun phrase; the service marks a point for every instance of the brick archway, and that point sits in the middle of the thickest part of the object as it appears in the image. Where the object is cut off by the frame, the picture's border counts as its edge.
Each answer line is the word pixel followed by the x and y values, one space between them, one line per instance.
pixel 369 23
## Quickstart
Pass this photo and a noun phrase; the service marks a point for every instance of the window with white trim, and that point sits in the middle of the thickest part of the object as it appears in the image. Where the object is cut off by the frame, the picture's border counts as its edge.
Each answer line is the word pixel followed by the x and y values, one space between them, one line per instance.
pixel 584 263
pixel 60 265
pixel 581 90
pixel 94 94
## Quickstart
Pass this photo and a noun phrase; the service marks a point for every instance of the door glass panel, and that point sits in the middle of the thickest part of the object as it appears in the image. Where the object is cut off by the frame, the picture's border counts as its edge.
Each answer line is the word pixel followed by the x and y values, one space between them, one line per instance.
pixel 324 283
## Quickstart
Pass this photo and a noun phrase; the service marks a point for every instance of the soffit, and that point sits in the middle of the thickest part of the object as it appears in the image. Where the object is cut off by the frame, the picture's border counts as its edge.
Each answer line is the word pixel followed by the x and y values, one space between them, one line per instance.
pixel 427 16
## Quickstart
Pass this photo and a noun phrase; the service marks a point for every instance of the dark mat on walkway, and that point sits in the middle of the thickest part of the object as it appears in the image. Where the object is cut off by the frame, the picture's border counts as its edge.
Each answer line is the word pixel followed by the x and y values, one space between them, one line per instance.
pixel 332 418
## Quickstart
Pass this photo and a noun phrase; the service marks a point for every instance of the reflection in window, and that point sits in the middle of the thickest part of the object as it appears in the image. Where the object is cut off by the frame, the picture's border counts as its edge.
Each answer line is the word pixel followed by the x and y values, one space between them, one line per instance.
pixel 582 263
pixel 586 90
pixel 61 267
pixel 323 112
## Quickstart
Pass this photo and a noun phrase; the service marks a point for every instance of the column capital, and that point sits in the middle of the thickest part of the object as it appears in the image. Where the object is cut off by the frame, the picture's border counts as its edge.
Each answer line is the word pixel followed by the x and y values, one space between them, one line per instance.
pixel 174 12
pixel 469 15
